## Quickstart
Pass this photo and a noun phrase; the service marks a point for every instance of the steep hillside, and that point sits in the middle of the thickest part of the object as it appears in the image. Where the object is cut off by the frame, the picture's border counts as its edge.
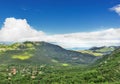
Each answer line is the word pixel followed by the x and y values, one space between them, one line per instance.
pixel 108 68
pixel 106 71
pixel 42 53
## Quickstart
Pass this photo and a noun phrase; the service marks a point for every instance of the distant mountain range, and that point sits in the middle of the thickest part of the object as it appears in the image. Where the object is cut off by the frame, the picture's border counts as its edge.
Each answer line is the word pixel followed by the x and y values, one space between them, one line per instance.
pixel 100 51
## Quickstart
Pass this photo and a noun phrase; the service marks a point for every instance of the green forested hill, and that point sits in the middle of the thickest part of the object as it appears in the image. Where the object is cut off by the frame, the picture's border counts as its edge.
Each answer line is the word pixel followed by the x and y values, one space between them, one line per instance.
pixel 35 63
pixel 42 53
pixel 105 71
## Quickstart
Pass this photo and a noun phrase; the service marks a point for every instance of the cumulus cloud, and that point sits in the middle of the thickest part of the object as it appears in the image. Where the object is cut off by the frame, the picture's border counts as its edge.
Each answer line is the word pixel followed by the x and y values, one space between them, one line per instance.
pixel 19 30
pixel 116 9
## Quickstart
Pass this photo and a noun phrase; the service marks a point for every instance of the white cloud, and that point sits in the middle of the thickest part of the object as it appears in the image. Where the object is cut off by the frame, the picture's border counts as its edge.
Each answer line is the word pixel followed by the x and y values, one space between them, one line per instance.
pixel 116 9
pixel 88 39
pixel 20 30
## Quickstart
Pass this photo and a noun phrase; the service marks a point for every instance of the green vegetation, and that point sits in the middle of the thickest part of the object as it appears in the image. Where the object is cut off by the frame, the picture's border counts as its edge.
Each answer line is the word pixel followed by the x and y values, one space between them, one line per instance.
pixel 33 65
pixel 91 52
pixel 54 61
pixel 106 49
pixel 40 53
pixel 64 64
pixel 99 51
pixel 23 57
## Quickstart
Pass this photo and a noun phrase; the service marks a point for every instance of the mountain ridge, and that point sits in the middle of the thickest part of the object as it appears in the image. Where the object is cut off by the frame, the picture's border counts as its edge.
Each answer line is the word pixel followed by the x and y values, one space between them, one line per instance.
pixel 37 52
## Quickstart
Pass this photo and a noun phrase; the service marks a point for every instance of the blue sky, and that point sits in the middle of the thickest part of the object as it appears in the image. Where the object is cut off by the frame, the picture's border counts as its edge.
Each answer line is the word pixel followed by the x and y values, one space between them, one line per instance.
pixel 62 16
pixel 68 23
